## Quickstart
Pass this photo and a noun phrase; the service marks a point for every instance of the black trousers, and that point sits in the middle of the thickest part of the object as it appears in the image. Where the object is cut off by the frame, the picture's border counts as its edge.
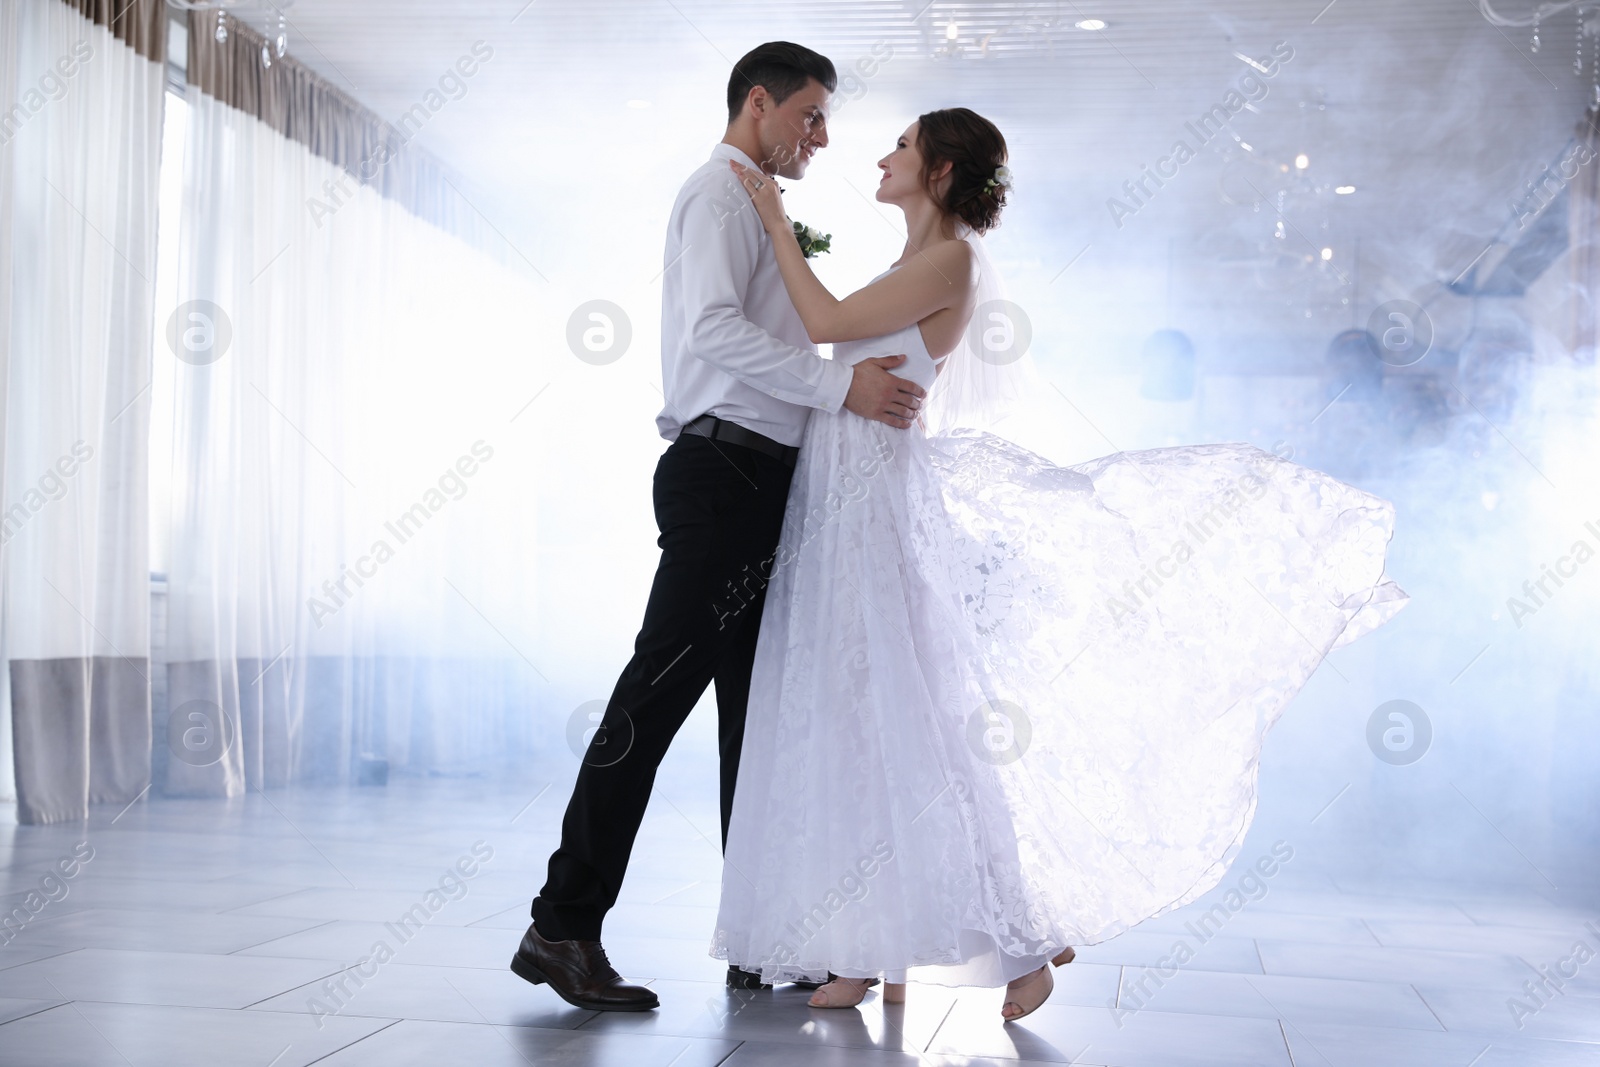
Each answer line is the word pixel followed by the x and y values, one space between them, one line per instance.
pixel 720 511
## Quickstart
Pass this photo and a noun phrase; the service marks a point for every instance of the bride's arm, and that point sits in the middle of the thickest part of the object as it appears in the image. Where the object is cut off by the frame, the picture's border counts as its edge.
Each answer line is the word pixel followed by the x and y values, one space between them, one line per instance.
pixel 930 281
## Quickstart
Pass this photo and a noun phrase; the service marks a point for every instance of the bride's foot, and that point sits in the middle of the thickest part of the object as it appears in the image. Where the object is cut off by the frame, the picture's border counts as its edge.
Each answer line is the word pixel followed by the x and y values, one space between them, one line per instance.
pixel 1025 994
pixel 1064 957
pixel 840 993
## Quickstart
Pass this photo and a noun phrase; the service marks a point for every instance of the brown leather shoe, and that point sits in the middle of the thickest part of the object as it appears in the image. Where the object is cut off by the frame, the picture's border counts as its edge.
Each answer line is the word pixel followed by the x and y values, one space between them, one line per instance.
pixel 579 973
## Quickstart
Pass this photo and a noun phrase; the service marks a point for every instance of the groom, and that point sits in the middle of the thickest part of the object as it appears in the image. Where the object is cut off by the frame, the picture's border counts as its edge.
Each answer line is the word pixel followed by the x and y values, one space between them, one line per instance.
pixel 740 376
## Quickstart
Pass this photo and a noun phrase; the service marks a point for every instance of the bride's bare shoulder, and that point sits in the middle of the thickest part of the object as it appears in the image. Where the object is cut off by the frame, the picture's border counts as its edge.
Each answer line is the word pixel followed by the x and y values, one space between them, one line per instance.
pixel 954 259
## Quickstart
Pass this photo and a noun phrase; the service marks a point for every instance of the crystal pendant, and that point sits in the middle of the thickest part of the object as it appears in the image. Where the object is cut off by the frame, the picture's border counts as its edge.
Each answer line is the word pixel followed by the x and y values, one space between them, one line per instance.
pixel 1533 45
pixel 266 56
pixel 1594 72
pixel 1577 54
pixel 283 35
pixel 222 27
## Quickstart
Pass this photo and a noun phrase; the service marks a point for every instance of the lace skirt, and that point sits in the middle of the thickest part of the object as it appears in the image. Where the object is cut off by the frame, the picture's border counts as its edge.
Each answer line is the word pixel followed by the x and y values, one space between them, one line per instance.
pixel 1000 707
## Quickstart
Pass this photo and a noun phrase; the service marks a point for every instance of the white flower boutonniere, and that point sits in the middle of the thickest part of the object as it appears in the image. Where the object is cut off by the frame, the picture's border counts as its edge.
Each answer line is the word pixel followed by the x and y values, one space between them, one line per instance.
pixel 812 243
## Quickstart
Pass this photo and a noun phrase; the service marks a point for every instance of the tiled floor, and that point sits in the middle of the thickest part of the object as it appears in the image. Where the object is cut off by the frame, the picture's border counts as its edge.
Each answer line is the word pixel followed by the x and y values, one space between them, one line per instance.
pixel 267 930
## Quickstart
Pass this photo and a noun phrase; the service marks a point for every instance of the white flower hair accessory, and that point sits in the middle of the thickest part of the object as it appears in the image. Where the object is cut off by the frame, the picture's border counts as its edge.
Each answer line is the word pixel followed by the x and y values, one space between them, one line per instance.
pixel 1000 180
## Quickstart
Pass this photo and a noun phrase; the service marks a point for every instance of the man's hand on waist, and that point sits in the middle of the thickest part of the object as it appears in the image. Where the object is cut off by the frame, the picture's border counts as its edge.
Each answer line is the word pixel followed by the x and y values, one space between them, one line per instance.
pixel 881 396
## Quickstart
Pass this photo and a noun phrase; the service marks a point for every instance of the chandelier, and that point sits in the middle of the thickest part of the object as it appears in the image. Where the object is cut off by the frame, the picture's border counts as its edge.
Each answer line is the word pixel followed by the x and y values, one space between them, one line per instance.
pixel 1587 25
pixel 274 24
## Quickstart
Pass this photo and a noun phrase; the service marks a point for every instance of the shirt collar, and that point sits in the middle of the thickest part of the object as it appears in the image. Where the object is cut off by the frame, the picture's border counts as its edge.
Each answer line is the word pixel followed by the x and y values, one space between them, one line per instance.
pixel 723 150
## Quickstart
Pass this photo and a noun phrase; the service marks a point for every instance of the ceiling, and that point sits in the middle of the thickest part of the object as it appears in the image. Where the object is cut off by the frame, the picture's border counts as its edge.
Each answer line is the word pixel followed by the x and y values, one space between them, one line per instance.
pixel 578 129
pixel 556 60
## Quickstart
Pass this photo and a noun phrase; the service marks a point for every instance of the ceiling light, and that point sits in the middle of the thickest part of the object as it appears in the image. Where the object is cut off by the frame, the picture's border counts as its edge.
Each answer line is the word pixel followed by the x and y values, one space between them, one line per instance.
pixel 1302 161
pixel 1344 190
pixel 1264 69
pixel 951 31
pixel 1091 24
pixel 1327 254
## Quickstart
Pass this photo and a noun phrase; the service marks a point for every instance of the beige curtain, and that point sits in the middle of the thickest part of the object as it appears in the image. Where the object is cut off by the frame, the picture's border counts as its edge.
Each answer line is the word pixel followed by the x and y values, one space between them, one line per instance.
pixel 139 24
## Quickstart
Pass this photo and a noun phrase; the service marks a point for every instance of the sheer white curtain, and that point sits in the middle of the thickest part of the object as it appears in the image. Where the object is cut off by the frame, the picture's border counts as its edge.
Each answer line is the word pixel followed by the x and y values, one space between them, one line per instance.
pixel 9 41
pixel 80 123
pixel 351 528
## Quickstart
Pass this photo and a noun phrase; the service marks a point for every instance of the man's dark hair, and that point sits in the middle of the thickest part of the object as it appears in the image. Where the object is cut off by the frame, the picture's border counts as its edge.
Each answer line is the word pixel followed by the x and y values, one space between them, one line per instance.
pixel 783 69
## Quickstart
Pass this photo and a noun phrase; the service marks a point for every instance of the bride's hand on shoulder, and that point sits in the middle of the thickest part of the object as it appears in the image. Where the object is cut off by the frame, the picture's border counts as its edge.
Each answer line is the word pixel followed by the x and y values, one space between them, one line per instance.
pixel 764 195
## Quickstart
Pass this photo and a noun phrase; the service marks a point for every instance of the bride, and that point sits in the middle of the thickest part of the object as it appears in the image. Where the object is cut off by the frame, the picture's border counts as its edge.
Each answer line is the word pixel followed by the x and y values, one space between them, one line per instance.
pixel 1000 707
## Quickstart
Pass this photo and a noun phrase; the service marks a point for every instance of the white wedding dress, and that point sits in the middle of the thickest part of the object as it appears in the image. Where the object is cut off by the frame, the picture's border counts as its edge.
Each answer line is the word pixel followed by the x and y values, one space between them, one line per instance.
pixel 1000 707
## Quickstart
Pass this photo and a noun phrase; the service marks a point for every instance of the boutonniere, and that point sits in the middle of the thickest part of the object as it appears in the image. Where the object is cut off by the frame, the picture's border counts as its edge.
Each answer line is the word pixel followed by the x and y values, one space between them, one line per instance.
pixel 812 243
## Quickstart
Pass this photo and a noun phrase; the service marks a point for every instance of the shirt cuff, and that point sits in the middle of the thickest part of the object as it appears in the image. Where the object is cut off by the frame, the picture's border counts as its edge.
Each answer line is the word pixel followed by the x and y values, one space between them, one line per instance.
pixel 836 379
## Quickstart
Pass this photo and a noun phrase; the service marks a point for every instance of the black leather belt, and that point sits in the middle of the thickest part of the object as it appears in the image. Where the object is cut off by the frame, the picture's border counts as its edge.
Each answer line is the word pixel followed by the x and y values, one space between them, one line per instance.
pixel 716 429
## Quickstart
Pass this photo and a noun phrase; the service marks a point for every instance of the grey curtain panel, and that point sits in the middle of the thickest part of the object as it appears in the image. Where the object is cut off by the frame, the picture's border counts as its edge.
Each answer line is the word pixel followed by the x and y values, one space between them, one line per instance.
pixel 80 122
pixel 81 731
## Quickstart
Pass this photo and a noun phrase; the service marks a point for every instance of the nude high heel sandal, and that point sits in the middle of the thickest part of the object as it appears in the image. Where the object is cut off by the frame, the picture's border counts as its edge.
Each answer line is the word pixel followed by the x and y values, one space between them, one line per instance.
pixel 1024 995
pixel 839 993
pixel 848 992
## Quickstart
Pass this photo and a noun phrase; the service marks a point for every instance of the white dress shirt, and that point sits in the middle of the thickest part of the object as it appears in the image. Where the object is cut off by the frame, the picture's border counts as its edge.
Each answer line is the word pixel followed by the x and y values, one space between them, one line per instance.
pixel 732 343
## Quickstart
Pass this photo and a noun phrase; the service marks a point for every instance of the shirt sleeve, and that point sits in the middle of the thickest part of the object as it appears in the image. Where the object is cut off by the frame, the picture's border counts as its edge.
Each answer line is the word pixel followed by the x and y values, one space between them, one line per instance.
pixel 721 242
